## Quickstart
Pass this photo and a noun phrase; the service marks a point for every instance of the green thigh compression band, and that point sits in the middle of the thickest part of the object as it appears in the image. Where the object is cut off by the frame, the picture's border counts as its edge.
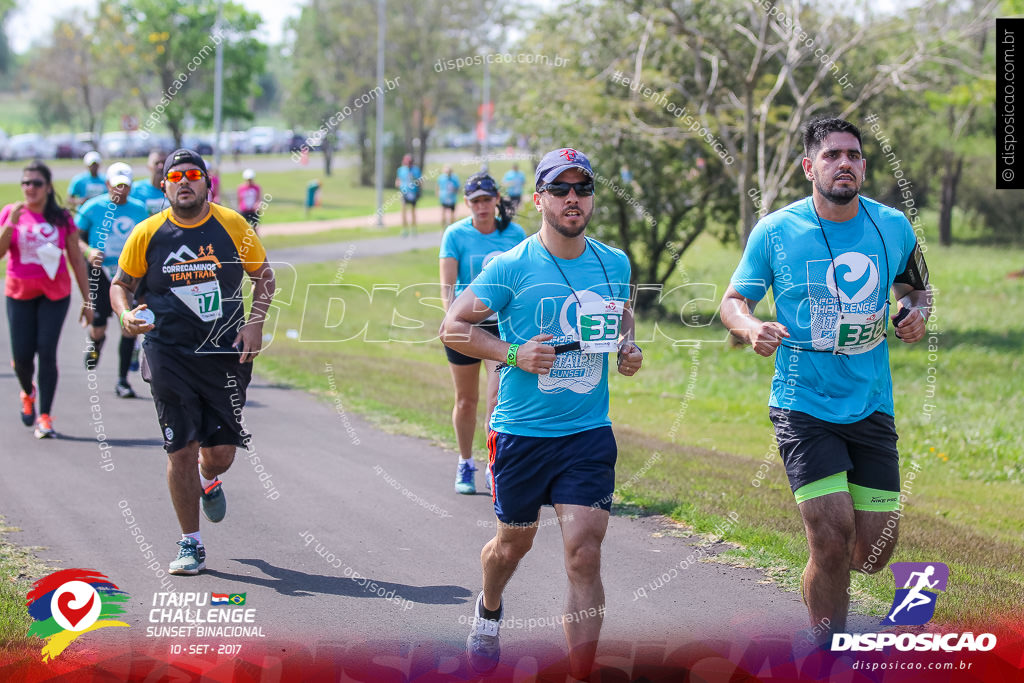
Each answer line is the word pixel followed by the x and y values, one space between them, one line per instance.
pixel 864 498
pixel 835 483
pixel 874 500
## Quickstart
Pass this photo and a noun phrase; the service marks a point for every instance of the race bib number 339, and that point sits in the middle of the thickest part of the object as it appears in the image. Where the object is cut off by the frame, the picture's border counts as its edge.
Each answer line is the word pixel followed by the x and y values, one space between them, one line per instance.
pixel 598 323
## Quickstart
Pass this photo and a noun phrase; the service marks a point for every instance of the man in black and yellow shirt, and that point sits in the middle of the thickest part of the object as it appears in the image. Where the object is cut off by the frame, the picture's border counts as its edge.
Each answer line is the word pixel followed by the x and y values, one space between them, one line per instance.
pixel 199 345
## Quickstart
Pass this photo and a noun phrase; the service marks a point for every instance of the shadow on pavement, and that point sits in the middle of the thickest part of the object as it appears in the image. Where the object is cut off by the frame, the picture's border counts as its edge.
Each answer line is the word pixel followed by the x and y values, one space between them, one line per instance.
pixel 296 583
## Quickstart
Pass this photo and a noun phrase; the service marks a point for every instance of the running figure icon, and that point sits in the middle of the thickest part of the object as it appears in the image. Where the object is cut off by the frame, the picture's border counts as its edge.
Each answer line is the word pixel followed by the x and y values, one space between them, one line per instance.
pixel 916 597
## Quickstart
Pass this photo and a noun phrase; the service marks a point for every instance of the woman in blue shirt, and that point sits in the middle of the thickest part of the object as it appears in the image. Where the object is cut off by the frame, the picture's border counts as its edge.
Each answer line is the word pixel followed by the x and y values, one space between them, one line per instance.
pixel 466 247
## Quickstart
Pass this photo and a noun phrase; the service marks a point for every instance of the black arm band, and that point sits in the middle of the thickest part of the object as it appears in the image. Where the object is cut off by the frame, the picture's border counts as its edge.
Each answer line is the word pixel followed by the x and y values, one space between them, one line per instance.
pixel 916 274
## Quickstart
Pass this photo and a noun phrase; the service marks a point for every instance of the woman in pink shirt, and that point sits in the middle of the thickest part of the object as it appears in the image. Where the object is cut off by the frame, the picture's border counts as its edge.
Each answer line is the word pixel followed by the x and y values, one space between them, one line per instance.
pixel 40 236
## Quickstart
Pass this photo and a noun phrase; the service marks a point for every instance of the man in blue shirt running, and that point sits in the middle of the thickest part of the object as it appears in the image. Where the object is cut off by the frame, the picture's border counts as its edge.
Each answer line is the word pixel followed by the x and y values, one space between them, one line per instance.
pixel 447 194
pixel 514 180
pixel 148 190
pixel 104 223
pixel 562 301
pixel 88 183
pixel 831 260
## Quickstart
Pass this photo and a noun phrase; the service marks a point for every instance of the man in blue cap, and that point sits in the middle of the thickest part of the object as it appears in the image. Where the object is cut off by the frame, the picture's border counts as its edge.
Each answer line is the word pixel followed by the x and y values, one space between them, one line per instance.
pixel 562 301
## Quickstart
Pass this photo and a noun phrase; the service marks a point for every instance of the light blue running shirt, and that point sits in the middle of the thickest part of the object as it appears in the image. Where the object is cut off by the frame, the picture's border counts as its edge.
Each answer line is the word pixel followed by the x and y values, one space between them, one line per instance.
pixel 150 195
pixel 108 225
pixel 531 297
pixel 474 250
pixel 787 252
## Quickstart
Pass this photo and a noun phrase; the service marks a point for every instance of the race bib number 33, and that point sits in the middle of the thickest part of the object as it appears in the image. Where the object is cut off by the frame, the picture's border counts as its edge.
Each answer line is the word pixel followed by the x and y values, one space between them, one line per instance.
pixel 598 323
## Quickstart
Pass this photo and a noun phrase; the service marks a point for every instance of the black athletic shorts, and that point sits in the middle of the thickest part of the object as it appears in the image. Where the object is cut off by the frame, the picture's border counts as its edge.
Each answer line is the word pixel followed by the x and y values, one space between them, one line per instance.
pixel 450 207
pixel 456 358
pixel 199 397
pixel 813 449
pixel 99 296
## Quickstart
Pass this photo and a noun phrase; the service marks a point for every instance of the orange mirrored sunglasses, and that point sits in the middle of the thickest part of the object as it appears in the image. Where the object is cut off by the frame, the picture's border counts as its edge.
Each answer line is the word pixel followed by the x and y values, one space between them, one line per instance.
pixel 192 174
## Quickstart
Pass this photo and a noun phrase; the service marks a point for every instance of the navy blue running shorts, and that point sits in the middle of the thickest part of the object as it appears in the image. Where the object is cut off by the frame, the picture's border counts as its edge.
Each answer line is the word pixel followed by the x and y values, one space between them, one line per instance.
pixel 530 471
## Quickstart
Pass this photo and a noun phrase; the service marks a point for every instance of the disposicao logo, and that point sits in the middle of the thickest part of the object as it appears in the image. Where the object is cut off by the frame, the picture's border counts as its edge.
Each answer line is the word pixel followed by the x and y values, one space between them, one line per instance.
pixel 917 589
pixel 69 603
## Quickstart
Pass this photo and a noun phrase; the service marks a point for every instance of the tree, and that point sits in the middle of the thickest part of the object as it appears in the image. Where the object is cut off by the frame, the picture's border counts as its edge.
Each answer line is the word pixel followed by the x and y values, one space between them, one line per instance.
pixel 162 55
pixel 62 76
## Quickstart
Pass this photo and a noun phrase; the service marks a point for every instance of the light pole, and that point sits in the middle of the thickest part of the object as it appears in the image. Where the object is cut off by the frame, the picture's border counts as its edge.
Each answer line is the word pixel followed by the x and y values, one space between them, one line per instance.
pixel 379 158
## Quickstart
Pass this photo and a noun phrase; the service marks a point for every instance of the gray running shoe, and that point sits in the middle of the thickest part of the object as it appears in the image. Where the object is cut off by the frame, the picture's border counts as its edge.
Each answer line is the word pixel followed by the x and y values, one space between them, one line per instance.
pixel 191 558
pixel 215 505
pixel 482 648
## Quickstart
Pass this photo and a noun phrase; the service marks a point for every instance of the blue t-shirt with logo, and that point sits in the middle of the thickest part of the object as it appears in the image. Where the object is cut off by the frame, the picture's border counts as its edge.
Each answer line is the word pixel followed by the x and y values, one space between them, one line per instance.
pixel 513 182
pixel 86 186
pixel 447 188
pixel 530 295
pixel 150 195
pixel 108 225
pixel 473 250
pixel 787 252
pixel 408 177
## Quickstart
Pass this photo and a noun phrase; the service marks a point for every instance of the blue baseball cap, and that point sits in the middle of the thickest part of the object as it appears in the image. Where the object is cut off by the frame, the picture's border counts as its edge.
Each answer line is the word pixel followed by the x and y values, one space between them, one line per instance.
pixel 558 161
pixel 480 185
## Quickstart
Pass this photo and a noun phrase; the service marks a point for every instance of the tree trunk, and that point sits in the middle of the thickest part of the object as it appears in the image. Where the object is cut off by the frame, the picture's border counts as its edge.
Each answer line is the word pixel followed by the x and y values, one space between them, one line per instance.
pixel 365 151
pixel 746 206
pixel 950 179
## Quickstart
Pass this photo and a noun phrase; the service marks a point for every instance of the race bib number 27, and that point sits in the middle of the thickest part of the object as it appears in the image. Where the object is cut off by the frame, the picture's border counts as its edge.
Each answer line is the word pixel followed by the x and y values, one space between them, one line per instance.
pixel 598 323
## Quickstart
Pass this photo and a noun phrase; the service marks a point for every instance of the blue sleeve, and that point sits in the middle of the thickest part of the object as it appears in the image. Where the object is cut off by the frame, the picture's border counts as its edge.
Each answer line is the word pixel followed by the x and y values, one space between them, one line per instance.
pixel 754 274
pixel 75 189
pixel 449 249
pixel 492 286
pixel 84 220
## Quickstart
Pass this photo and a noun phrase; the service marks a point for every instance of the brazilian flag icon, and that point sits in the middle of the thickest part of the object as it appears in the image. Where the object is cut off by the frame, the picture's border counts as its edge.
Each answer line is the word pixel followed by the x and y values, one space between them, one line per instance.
pixel 237 598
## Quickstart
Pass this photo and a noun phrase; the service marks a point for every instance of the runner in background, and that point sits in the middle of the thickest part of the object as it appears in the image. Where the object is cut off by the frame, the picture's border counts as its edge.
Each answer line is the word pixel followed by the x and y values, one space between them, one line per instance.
pixel 40 236
pixel 466 247
pixel 407 180
pixel 88 183
pixel 104 223
pixel 249 197
pixel 514 181
pixel 447 191
pixel 148 190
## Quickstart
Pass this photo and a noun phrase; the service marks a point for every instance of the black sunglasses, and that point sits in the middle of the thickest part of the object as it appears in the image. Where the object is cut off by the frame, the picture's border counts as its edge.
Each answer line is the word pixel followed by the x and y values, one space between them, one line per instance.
pixel 584 189
pixel 34 182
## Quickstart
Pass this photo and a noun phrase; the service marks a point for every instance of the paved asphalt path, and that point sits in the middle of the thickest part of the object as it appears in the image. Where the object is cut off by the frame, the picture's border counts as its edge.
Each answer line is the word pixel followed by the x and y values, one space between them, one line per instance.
pixel 371 502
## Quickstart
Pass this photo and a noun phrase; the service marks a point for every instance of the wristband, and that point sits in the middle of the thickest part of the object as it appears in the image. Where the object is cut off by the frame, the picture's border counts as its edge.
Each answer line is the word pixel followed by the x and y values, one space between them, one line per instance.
pixel 513 351
pixel 120 318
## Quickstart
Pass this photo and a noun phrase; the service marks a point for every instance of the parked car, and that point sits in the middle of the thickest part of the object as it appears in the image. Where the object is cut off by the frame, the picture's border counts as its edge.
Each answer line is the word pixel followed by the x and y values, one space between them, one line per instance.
pixel 197 143
pixel 28 146
pixel 82 144
pixel 261 139
pixel 63 145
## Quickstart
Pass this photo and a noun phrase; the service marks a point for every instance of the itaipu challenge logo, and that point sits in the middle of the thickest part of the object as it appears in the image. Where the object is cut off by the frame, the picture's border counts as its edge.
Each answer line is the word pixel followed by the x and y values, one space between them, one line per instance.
pixel 70 603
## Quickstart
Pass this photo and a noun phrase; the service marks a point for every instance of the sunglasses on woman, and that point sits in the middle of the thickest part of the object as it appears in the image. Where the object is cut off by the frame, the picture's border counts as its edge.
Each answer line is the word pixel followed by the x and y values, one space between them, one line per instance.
pixel 32 182
pixel 584 189
pixel 485 184
pixel 193 174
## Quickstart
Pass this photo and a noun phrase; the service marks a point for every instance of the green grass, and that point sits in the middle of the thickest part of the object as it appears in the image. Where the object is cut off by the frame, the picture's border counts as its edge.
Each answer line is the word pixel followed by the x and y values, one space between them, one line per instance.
pixel 715 437
pixel 18 568
pixel 341 195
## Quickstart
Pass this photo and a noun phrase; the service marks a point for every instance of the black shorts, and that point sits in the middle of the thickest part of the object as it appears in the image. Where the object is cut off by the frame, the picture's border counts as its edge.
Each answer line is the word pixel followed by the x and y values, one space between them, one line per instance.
pixel 450 207
pixel 456 358
pixel 198 397
pixel 410 198
pixel 99 296
pixel 251 217
pixel 813 449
